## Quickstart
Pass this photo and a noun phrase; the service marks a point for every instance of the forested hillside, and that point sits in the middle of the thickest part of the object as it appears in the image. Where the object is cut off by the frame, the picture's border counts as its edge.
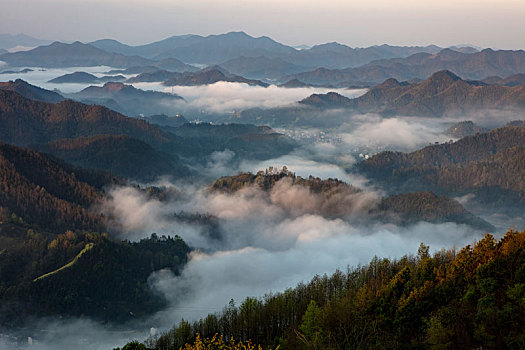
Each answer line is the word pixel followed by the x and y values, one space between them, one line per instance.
pixel 54 258
pixel 492 165
pixel 335 198
pixel 118 154
pixel 467 299
pixel 80 273
pixel 47 192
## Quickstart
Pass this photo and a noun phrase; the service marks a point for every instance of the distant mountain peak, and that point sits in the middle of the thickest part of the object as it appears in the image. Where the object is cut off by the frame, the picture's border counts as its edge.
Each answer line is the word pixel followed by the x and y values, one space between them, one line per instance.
pixel 444 76
pixel 390 83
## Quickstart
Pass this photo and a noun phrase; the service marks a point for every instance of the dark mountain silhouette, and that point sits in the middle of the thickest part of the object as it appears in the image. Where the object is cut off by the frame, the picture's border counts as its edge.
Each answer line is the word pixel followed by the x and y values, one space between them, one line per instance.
pixel 76 54
pixel 2 51
pixel 245 140
pixel 127 99
pixel 118 154
pixel 335 55
pixel 31 91
pixel 85 78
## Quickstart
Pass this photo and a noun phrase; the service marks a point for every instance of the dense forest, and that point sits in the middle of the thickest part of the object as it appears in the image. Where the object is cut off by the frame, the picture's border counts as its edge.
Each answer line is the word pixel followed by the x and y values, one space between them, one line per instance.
pixel 490 165
pixel 81 273
pixel 466 299
pixel 335 198
pixel 54 258
pixel 96 137
pixel 47 192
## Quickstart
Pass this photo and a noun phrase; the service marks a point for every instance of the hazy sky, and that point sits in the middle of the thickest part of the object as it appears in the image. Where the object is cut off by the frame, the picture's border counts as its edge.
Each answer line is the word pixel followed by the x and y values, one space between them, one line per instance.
pixel 486 23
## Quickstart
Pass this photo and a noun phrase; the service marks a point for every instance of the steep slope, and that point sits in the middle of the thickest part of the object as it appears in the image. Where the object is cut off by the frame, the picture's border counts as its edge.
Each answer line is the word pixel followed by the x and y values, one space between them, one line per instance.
pixel 28 122
pixel 49 193
pixel 489 165
pixel 31 92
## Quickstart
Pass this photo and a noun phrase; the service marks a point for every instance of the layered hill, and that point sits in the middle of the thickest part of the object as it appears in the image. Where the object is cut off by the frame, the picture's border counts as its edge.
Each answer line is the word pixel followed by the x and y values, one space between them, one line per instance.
pixel 76 54
pixel 31 92
pixel 513 80
pixel 127 99
pixel 442 93
pixel 85 78
pixel 97 137
pixel 473 66
pixel 490 166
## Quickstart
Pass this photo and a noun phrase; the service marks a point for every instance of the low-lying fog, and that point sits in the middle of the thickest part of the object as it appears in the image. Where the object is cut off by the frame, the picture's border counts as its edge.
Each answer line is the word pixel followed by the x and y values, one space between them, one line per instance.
pixel 268 241
pixel 221 97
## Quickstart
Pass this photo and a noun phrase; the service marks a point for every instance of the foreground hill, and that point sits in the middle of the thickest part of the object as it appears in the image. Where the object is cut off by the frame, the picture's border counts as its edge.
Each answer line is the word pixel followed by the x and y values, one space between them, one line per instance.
pixel 336 199
pixel 463 299
pixel 442 93
pixel 489 165
pixel 28 122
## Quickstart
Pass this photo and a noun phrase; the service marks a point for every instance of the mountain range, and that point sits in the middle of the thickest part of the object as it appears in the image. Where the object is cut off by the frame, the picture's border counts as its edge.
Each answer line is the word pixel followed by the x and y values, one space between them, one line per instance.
pixel 476 66
pixel 442 93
